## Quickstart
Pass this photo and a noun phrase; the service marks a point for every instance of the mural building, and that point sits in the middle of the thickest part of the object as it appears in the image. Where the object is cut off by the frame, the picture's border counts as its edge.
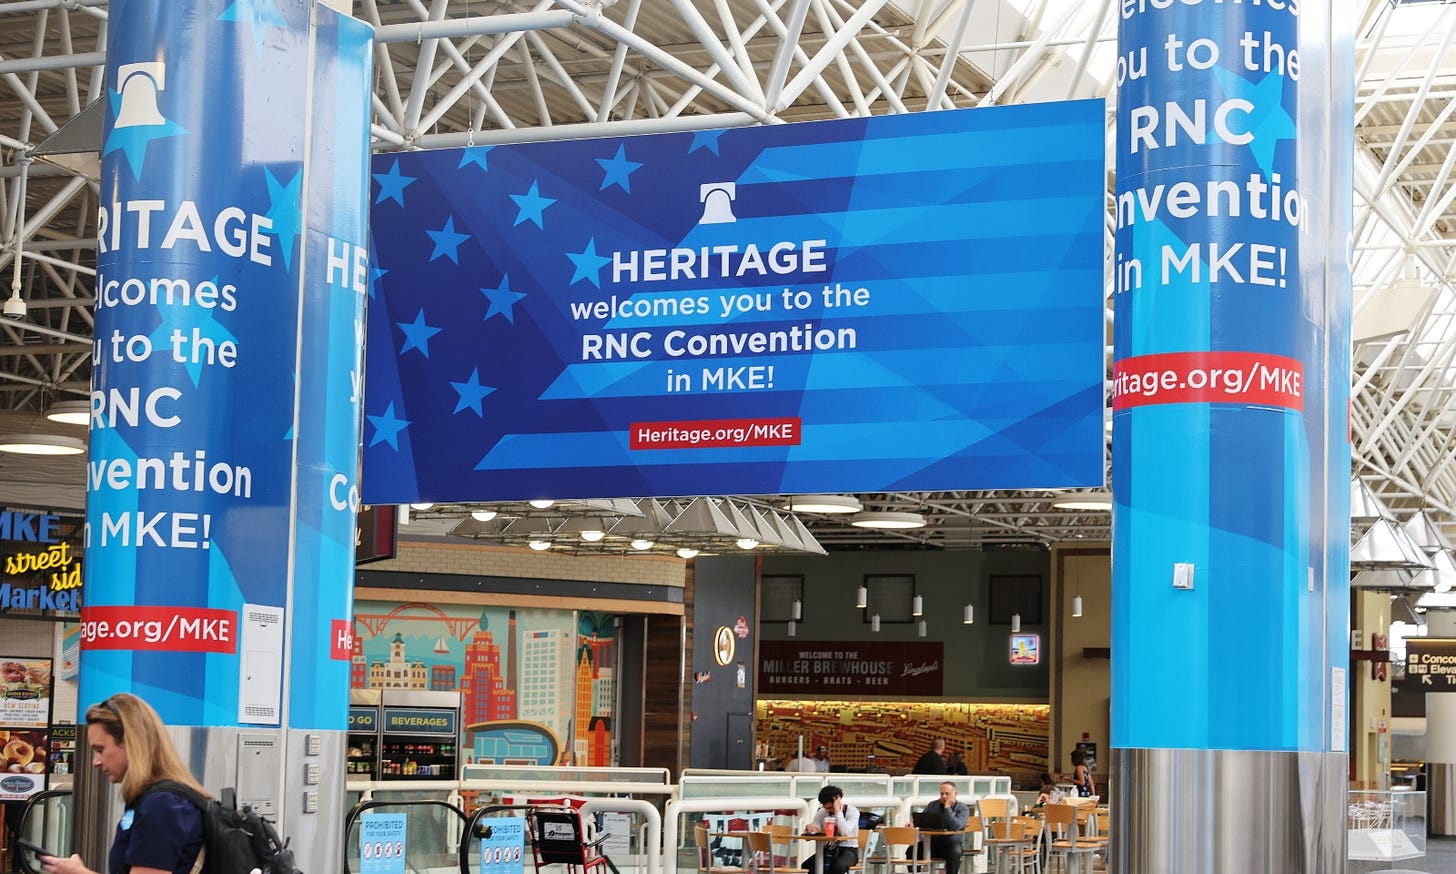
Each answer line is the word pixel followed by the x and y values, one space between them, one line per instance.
pixel 536 686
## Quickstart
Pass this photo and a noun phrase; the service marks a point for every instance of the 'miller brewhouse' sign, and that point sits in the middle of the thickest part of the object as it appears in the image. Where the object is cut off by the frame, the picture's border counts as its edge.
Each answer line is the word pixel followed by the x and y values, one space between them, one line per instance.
pixel 851 667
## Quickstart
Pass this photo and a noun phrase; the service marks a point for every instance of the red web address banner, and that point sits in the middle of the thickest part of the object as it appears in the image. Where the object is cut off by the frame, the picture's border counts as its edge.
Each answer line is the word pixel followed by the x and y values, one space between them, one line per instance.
pixel 714 433
pixel 171 629
pixel 1208 377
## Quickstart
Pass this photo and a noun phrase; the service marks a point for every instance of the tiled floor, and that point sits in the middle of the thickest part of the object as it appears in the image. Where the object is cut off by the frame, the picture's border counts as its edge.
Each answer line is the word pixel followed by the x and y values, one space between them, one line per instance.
pixel 1441 855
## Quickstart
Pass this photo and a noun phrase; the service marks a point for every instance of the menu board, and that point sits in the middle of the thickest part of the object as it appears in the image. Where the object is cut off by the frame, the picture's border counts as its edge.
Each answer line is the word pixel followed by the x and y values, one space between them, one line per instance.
pixel 25 715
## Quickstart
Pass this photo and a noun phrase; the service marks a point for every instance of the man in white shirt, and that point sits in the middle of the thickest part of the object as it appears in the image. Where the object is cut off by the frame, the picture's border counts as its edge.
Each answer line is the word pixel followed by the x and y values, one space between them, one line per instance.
pixel 841 853
pixel 804 764
pixel 821 760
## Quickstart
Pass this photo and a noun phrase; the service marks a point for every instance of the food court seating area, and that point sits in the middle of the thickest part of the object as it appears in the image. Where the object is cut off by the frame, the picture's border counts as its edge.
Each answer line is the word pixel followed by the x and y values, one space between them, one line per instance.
pixel 733 822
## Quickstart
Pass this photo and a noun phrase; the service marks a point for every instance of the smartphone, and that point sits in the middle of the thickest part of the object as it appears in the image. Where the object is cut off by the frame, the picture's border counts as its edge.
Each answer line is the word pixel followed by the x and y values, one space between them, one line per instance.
pixel 34 847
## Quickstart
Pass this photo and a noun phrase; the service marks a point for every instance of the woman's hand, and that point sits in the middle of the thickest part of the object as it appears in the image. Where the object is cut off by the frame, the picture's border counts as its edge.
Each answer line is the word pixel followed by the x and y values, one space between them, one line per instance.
pixel 72 864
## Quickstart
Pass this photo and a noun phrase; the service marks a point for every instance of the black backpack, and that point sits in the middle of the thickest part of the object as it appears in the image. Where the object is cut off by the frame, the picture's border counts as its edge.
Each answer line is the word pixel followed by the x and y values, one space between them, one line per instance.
pixel 234 841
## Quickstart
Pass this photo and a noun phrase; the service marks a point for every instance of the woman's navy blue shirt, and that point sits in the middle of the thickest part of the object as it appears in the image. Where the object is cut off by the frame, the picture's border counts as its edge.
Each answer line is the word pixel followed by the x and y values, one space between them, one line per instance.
pixel 159 830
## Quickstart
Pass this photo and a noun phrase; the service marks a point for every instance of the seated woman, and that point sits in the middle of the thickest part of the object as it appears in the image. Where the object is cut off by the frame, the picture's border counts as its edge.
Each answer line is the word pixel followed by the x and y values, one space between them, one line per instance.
pixel 1049 792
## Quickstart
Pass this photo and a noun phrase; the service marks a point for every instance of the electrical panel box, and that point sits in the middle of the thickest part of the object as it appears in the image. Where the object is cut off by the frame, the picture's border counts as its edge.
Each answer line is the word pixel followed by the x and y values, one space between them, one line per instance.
pixel 259 758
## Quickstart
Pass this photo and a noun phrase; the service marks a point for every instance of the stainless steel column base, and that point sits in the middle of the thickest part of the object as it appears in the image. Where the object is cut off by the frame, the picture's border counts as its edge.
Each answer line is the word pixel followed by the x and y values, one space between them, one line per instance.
pixel 1219 811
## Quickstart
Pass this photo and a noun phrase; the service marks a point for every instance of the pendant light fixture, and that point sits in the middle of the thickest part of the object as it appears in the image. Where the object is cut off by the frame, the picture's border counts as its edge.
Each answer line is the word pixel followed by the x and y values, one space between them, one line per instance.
pixel 917 607
pixel 797 611
pixel 793 629
pixel 875 623
pixel 921 629
pixel 1015 623
pixel 970 615
pixel 862 598
pixel 1076 599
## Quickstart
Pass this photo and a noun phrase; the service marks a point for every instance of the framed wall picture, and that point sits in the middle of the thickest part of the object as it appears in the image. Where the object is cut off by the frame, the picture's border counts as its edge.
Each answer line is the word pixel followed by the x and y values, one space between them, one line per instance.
pixel 1013 594
pixel 777 596
pixel 1025 649
pixel 890 597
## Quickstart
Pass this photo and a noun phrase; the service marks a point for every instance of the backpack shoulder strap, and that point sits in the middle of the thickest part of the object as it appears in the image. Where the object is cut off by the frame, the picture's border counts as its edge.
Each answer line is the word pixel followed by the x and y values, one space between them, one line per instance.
pixel 198 799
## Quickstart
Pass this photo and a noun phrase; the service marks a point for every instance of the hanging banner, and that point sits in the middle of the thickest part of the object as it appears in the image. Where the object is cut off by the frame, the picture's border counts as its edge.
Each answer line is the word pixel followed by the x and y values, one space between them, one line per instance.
pixel 899 302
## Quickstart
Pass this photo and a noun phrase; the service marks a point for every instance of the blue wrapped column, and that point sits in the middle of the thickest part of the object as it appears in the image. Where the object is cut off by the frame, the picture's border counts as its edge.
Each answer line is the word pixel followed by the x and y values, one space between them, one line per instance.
pixel 1230 454
pixel 231 281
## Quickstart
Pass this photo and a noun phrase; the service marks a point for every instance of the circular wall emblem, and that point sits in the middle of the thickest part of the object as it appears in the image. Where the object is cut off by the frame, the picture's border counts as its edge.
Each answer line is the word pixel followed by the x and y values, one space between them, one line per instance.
pixel 723 645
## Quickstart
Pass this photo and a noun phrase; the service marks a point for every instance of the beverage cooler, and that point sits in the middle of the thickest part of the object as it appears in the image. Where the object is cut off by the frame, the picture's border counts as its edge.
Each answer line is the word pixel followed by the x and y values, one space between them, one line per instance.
pixel 364 721
pixel 419 735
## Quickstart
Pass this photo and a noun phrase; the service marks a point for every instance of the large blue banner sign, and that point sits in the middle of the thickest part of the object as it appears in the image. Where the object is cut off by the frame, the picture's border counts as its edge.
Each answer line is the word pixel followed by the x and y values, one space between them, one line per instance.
pixel 902 302
pixel 230 215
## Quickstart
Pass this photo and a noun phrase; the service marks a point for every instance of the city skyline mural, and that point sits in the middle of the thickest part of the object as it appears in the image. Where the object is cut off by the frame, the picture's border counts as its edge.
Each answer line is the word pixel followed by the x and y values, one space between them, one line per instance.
pixel 536 686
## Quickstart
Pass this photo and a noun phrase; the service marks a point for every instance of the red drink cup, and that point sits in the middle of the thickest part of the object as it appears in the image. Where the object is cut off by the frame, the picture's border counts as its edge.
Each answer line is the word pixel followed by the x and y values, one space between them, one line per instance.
pixel 828 828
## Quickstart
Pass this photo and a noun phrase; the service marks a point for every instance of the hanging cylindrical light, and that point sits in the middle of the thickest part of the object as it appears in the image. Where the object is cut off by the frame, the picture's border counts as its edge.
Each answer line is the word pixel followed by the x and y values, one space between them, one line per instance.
pixel 862 598
pixel 917 606
pixel 797 611
pixel 922 628
pixel 793 628
pixel 875 623
pixel 1015 623
pixel 970 616
pixel 1077 606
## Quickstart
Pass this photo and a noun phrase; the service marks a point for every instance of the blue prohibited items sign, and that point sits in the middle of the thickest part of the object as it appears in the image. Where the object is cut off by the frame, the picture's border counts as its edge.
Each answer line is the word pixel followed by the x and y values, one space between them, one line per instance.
pixel 502 847
pixel 381 843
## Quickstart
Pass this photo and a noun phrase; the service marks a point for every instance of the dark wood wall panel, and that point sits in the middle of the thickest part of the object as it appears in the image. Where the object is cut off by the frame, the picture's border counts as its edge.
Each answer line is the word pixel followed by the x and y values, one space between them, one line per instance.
pixel 663 716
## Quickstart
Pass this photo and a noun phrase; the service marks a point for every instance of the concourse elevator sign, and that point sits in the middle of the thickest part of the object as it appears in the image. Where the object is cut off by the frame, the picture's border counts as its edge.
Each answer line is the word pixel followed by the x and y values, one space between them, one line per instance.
pixel 1430 665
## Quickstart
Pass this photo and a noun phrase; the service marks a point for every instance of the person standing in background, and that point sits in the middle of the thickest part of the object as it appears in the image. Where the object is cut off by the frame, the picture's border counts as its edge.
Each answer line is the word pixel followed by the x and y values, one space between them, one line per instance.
pixel 956 765
pixel 1082 775
pixel 933 762
pixel 803 764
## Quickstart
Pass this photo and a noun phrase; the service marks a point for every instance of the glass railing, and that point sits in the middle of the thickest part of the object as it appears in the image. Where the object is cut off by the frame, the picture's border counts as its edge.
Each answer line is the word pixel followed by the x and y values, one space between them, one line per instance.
pixel 1387 829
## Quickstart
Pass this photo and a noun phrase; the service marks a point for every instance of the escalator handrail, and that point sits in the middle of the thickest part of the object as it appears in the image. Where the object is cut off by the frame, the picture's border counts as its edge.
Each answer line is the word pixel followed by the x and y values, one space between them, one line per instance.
pixel 22 859
pixel 471 823
pixel 359 809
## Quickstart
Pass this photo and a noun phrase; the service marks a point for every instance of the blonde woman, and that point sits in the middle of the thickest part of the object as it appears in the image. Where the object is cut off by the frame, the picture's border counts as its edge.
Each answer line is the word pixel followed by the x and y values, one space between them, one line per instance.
pixel 160 832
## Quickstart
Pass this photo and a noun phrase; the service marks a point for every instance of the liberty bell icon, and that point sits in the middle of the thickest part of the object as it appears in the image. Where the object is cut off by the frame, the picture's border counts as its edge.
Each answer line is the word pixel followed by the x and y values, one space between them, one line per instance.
pixel 139 84
pixel 717 199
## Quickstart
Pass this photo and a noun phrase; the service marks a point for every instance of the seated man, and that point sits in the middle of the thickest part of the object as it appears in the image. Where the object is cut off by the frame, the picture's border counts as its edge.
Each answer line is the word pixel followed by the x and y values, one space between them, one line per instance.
pixel 952 817
pixel 843 851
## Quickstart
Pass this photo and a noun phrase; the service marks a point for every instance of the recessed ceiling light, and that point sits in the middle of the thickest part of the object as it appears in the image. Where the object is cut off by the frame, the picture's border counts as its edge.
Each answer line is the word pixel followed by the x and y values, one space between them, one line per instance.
pixel 823 504
pixel 41 444
pixel 889 521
